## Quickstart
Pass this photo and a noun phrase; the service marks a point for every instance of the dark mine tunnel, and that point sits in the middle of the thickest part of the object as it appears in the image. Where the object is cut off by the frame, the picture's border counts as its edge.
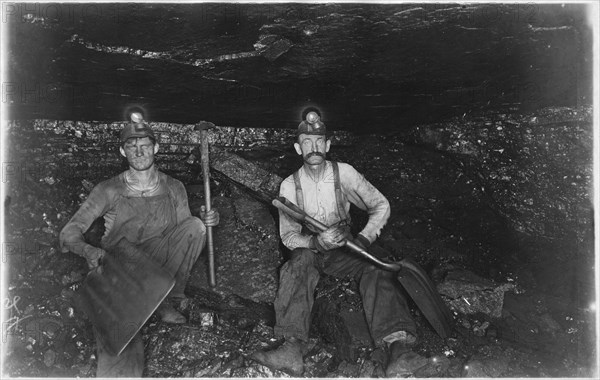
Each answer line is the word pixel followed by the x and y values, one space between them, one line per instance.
pixel 474 121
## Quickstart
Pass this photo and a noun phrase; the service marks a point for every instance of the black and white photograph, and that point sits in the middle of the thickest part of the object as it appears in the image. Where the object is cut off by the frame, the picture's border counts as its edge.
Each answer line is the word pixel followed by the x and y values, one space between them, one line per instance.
pixel 303 189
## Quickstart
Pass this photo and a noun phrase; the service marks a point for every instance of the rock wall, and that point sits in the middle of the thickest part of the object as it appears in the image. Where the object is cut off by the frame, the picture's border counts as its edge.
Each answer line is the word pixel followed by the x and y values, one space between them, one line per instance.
pixel 52 150
pixel 535 169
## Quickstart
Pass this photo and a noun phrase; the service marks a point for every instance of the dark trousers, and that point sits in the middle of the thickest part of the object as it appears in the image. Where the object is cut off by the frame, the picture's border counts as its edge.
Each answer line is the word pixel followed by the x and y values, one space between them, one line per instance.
pixel 383 300
pixel 177 252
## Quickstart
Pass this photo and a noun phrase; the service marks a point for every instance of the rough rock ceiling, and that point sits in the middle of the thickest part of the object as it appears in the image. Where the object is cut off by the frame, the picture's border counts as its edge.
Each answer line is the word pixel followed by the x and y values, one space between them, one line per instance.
pixel 369 67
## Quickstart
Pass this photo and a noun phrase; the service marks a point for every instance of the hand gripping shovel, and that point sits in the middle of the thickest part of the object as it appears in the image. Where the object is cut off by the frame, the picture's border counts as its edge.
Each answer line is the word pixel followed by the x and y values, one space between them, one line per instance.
pixel 122 294
pixel 412 277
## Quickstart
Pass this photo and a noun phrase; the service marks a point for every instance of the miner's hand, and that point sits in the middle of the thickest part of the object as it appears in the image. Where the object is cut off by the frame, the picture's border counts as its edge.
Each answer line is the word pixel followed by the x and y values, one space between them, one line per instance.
pixel 331 238
pixel 210 218
pixel 93 255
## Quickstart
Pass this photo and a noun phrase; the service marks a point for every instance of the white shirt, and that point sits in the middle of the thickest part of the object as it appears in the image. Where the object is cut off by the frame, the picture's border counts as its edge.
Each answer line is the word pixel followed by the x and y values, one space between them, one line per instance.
pixel 320 203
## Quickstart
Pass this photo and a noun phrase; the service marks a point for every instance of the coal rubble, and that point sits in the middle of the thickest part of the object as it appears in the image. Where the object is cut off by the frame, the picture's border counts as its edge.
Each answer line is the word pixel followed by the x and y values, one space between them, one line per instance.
pixel 493 254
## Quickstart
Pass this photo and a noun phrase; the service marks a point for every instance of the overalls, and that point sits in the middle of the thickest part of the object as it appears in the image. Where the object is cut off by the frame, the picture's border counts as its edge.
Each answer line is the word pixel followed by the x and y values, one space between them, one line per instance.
pixel 151 224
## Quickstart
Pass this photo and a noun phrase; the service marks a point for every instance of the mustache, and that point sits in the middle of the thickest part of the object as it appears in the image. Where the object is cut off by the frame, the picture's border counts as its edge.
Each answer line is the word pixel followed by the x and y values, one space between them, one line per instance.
pixel 315 154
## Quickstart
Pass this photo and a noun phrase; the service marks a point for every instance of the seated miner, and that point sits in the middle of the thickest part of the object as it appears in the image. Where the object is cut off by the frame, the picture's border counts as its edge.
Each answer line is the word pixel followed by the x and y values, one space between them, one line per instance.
pixel 150 210
pixel 324 190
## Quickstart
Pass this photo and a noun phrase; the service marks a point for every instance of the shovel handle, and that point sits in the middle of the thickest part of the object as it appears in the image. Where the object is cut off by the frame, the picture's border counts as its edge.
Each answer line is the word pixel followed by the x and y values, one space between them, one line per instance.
pixel 283 204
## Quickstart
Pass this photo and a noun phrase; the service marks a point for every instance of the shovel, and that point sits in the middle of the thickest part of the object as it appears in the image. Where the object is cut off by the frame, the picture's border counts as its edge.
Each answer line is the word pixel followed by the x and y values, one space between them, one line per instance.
pixel 119 296
pixel 410 274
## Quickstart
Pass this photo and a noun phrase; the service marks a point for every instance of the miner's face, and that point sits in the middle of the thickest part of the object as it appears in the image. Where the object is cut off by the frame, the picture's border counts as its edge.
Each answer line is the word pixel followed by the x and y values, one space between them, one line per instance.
pixel 313 148
pixel 139 152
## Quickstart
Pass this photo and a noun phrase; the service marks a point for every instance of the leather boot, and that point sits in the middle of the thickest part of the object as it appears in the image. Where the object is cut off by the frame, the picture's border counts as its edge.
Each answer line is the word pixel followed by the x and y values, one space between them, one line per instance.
pixel 286 358
pixel 168 314
pixel 401 357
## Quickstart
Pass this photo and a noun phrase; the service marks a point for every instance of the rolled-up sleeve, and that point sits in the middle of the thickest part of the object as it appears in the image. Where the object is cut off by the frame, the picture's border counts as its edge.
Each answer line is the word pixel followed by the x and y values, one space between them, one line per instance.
pixel 364 195
pixel 71 237
pixel 289 229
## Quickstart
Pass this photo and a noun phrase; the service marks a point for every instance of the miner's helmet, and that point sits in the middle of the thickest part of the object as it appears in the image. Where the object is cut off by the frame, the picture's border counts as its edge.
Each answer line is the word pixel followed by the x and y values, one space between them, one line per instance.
pixel 138 128
pixel 312 124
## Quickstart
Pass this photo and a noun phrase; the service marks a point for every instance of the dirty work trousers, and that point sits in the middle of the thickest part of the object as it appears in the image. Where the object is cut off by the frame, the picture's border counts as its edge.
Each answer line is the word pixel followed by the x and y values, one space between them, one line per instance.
pixel 382 295
pixel 175 247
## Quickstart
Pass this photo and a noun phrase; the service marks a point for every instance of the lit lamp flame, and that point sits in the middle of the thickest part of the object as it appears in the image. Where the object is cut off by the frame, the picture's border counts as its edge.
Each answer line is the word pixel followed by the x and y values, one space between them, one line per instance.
pixel 312 117
pixel 136 117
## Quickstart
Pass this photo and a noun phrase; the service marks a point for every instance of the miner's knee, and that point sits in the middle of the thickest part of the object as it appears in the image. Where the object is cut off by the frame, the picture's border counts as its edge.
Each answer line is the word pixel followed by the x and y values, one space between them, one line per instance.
pixel 192 228
pixel 301 257
pixel 375 271
pixel 195 224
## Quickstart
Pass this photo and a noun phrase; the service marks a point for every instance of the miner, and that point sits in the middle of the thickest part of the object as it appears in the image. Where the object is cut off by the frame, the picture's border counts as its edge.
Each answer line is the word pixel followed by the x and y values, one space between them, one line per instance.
pixel 324 190
pixel 150 210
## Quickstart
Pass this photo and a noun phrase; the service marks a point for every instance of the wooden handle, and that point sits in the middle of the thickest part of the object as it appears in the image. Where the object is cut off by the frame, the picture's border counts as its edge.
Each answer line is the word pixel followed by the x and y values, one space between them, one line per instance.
pixel 295 212
pixel 209 236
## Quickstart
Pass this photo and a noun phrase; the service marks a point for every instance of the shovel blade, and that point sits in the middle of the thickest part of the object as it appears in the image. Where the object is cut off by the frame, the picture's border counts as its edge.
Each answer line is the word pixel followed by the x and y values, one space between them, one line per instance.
pixel 423 292
pixel 121 297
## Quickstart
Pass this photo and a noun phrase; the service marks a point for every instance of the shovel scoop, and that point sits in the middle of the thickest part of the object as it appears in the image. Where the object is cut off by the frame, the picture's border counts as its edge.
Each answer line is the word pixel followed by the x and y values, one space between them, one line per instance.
pixel 121 295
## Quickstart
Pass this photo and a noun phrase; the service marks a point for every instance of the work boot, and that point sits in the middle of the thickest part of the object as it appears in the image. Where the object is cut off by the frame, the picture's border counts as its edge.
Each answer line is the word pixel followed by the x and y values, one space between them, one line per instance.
pixel 399 352
pixel 286 358
pixel 168 314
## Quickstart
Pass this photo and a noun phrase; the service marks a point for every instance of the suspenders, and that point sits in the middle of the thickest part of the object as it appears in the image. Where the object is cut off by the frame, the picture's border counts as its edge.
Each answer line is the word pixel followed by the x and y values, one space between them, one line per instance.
pixel 299 197
pixel 338 192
